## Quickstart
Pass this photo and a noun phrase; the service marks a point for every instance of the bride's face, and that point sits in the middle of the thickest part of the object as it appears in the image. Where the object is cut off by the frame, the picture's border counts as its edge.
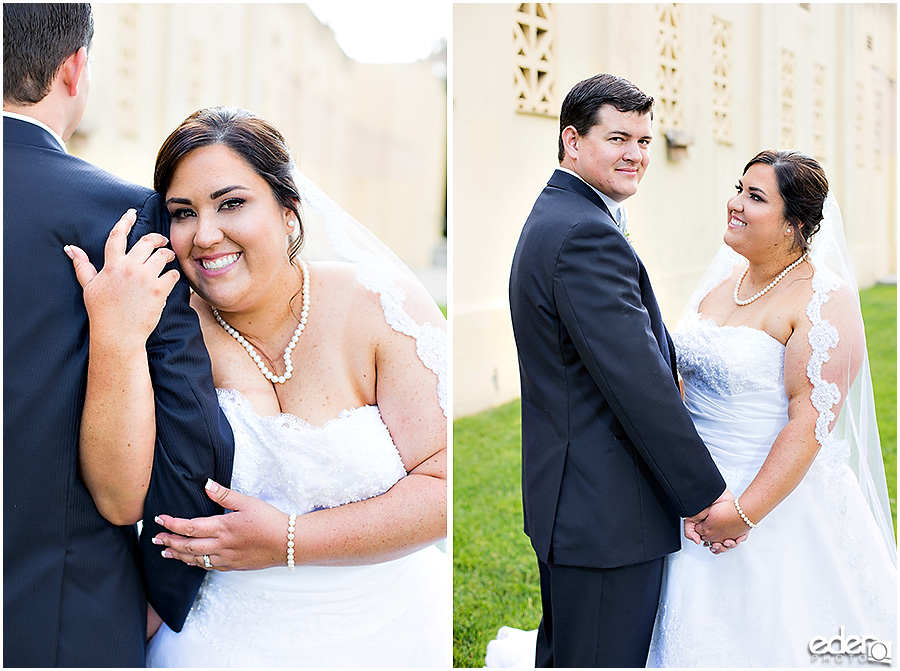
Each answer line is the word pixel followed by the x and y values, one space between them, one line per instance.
pixel 228 231
pixel 756 224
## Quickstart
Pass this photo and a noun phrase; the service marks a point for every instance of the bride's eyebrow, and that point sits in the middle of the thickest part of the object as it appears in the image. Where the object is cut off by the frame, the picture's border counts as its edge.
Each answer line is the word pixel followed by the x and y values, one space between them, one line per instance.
pixel 179 201
pixel 224 190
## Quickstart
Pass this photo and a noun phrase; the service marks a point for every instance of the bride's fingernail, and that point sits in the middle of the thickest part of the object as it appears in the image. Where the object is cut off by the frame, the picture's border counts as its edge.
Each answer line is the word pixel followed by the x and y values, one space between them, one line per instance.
pixel 158 520
pixel 155 540
pixel 211 486
pixel 165 553
pixel 68 250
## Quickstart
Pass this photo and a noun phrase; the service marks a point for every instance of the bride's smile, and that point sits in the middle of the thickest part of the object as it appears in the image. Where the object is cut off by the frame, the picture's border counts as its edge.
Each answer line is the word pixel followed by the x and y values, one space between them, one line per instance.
pixel 217 264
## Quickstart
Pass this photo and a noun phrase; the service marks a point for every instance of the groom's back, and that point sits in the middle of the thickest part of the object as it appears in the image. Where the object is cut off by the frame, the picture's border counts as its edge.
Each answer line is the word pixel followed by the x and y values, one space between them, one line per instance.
pixel 68 572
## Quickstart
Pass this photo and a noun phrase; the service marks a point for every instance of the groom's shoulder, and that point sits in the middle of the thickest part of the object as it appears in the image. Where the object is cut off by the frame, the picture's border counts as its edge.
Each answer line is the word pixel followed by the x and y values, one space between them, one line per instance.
pixel 559 210
pixel 103 182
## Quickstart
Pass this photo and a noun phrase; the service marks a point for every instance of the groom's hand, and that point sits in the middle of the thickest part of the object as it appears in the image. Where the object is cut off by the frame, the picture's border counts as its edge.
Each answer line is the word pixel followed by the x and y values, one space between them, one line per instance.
pixel 252 536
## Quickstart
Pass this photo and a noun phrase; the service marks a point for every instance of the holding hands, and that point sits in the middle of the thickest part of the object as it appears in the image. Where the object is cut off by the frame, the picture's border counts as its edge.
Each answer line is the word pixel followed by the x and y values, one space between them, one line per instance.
pixel 719 527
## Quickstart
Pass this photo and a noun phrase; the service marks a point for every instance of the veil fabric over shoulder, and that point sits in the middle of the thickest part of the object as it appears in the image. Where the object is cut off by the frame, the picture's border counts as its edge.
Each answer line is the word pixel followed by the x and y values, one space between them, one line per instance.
pixel 332 234
pixel 852 431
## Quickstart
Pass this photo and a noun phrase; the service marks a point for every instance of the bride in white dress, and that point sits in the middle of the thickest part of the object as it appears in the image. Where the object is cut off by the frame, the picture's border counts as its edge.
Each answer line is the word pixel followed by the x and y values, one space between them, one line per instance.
pixel 776 380
pixel 771 350
pixel 332 375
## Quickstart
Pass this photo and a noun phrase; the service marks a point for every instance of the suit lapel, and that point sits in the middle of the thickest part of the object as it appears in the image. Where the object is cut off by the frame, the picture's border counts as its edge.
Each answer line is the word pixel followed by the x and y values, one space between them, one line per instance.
pixel 563 180
pixel 567 182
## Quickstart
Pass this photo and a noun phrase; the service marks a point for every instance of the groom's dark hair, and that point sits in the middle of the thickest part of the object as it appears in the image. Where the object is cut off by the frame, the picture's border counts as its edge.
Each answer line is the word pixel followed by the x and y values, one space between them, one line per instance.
pixel 580 107
pixel 37 39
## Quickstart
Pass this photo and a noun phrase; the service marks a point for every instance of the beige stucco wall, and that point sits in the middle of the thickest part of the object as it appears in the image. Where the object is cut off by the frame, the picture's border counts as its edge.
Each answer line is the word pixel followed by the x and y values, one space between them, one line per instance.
pixel 502 159
pixel 372 136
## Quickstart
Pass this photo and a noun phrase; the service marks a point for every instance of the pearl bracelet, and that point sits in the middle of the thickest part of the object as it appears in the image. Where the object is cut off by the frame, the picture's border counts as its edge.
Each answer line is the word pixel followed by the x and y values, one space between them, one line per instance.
pixel 290 541
pixel 737 506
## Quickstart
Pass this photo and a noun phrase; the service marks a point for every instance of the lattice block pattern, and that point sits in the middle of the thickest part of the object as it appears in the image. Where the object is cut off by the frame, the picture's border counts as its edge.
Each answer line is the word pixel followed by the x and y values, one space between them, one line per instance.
pixel 127 91
pixel 670 78
pixel 534 45
pixel 818 111
pixel 788 138
pixel 722 99
pixel 879 129
pixel 860 125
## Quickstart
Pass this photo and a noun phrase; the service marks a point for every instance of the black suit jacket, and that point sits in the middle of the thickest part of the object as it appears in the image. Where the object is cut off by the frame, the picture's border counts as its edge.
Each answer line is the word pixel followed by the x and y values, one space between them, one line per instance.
pixel 74 584
pixel 610 458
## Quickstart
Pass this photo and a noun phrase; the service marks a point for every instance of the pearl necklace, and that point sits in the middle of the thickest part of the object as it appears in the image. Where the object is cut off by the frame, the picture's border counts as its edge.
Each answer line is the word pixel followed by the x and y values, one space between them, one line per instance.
pixel 288 364
pixel 760 294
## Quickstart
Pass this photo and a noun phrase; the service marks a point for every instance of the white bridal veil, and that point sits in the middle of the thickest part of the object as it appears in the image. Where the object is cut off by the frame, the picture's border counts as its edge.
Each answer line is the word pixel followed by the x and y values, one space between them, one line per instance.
pixel 846 428
pixel 333 234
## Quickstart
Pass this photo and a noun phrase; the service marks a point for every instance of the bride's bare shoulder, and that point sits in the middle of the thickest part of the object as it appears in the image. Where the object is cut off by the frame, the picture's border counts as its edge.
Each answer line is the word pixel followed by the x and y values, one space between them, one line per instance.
pixel 342 295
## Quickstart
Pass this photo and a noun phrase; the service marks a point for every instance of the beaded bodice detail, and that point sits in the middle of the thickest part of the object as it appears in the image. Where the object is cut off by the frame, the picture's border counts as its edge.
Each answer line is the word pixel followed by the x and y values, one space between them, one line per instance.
pixel 299 467
pixel 728 360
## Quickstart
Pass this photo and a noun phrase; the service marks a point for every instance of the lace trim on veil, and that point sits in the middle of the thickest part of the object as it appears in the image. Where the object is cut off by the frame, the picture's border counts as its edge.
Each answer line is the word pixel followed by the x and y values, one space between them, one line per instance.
pixel 380 271
pixel 854 438
pixel 823 336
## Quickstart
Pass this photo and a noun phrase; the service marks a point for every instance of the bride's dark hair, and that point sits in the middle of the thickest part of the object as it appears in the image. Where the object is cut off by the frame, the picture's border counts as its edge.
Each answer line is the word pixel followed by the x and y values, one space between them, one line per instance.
pixel 803 187
pixel 254 139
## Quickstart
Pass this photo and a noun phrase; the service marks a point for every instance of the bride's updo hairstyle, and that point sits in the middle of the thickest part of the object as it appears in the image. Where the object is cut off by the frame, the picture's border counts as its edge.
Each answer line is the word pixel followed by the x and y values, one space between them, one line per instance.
pixel 254 139
pixel 803 187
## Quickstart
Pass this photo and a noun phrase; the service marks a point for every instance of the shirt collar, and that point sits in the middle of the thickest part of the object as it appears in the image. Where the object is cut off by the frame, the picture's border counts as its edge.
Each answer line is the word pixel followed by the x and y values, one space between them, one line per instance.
pixel 613 206
pixel 40 124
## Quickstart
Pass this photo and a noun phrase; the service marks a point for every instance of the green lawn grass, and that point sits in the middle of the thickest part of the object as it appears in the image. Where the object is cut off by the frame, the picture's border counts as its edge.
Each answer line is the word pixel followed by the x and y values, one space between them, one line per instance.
pixel 879 305
pixel 495 578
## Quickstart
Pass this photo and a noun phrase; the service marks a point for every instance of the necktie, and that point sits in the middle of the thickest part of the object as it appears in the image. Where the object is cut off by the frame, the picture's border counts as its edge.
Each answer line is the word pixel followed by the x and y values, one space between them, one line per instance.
pixel 621 218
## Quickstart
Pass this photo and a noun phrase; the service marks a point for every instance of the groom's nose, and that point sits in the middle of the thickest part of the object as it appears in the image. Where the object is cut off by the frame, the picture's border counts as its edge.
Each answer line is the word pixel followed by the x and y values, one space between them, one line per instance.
pixel 632 152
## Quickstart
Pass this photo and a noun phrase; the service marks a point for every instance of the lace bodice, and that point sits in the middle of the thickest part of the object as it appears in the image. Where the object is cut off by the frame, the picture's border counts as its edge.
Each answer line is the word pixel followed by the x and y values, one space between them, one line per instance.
pixel 299 467
pixel 388 614
pixel 727 360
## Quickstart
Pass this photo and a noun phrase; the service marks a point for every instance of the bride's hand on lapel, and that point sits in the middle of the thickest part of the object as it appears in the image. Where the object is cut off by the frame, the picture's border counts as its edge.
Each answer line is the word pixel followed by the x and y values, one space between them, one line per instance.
pixel 126 297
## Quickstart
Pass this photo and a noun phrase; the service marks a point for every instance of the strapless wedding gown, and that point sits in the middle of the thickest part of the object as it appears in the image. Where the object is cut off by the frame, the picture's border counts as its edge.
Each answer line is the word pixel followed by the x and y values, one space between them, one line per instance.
pixel 392 614
pixel 815 567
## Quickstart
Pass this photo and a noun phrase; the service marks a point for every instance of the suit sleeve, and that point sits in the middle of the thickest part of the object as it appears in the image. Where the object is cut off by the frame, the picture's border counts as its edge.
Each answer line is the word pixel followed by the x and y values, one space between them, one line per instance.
pixel 193 439
pixel 598 296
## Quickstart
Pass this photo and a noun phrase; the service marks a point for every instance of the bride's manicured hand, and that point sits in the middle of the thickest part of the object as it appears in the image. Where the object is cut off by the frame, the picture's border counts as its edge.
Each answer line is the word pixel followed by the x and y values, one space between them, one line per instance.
pixel 252 536
pixel 691 533
pixel 721 524
pixel 126 298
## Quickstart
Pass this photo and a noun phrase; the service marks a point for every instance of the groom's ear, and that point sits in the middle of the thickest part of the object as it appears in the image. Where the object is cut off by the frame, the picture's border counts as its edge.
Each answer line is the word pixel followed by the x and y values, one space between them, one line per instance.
pixel 570 139
pixel 71 70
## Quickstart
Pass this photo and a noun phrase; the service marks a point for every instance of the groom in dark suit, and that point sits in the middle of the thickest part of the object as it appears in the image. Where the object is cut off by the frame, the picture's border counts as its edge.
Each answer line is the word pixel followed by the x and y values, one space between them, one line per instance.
pixel 75 585
pixel 610 458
